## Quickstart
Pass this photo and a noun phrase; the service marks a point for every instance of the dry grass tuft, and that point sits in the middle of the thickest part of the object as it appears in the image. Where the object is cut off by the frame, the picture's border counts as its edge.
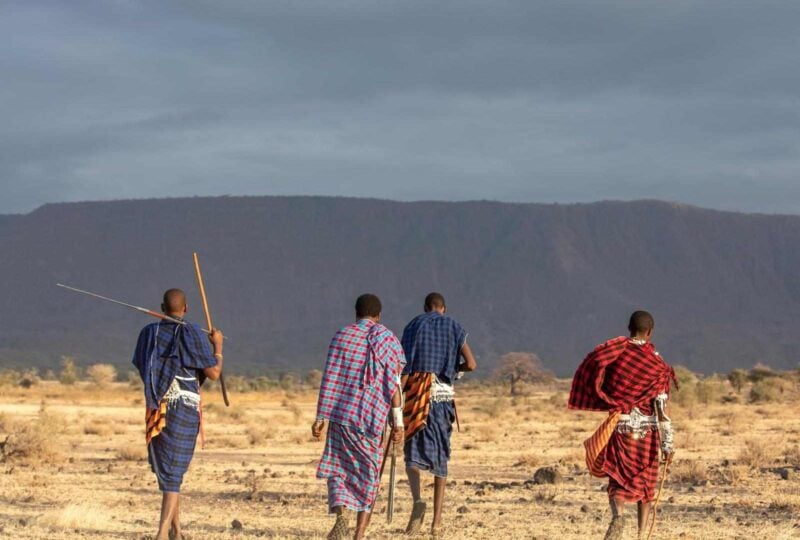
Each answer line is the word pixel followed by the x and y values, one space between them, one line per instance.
pixel 259 434
pixel 132 452
pixel 756 454
pixel 528 460
pixel 77 516
pixel 689 471
pixel 97 428
pixel 33 442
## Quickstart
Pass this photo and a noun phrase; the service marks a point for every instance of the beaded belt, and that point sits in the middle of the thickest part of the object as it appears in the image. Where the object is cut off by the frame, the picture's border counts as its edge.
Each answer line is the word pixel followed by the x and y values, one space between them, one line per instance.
pixel 636 424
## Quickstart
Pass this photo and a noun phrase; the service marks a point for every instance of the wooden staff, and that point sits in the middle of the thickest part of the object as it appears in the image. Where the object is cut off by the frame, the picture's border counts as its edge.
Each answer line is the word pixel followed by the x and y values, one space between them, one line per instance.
pixel 208 321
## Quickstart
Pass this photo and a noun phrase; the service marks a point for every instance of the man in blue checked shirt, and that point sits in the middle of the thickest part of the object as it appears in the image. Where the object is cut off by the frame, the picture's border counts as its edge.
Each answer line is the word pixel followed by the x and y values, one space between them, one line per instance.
pixel 434 345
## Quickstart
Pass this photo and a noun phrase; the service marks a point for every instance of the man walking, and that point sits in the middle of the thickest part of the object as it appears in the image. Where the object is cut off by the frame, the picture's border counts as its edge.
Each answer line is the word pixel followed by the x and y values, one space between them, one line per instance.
pixel 628 378
pixel 172 360
pixel 434 344
pixel 361 382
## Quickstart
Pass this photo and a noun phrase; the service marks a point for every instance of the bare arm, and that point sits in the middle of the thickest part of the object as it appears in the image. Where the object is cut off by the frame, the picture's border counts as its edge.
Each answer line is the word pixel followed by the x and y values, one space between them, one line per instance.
pixel 469 363
pixel 216 339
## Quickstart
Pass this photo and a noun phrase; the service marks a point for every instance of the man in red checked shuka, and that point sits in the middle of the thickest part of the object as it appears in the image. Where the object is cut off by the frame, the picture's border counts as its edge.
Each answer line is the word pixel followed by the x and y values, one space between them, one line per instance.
pixel 626 377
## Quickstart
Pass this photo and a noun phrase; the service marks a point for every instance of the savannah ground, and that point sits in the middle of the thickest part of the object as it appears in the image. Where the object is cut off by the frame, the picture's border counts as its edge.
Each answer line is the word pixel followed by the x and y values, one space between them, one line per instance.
pixel 85 474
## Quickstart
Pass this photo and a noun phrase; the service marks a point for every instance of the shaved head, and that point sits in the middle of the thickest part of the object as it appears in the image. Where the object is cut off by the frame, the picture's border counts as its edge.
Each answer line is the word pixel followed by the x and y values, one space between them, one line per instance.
pixel 434 301
pixel 174 301
pixel 641 322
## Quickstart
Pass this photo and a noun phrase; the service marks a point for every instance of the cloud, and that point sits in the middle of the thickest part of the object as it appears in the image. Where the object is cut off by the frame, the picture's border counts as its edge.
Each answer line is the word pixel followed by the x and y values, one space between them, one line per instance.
pixel 518 101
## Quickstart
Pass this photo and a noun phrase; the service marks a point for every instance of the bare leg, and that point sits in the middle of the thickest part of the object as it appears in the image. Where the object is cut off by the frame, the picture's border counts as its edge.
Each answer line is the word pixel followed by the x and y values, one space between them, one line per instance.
pixel 418 511
pixel 617 506
pixel 340 527
pixel 439 484
pixel 644 515
pixel 169 506
pixel 414 483
pixel 175 530
pixel 362 522
pixel 617 527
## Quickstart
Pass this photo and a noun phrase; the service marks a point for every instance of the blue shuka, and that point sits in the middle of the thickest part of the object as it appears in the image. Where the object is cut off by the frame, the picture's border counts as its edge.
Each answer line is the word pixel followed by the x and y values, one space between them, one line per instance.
pixel 432 343
pixel 170 358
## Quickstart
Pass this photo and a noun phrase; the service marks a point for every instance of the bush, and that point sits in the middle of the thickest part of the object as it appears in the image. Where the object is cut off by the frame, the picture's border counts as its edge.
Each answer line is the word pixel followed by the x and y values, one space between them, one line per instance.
pixel 33 442
pixel 69 372
pixel 9 377
pixel 29 378
pixel 760 372
pixel 314 379
pixel 755 454
pixel 709 390
pixel 101 375
pixel 738 378
pixel 769 390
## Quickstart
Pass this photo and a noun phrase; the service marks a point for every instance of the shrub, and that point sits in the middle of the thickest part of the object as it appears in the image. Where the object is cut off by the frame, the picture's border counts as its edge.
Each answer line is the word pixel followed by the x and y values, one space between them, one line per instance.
pixel 314 378
pixel 9 377
pixel 760 372
pixel 738 378
pixel 33 442
pixel 101 375
pixel 29 378
pixel 134 380
pixel 768 390
pixel 755 454
pixel 689 471
pixel 69 372
pixel 709 390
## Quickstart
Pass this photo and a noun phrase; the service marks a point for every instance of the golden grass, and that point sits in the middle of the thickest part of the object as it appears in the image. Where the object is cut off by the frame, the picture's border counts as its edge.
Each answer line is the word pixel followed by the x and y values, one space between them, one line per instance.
pixel 259 468
pixel 91 516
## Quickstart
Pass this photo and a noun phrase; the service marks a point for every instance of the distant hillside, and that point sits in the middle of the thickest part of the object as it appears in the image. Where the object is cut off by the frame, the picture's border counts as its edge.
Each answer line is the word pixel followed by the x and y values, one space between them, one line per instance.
pixel 282 274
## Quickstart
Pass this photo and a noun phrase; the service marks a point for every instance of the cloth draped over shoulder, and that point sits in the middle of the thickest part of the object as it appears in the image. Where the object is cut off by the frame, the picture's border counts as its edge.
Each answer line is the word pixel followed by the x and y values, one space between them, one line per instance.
pixel 432 343
pixel 170 358
pixel 361 374
pixel 166 349
pixel 616 377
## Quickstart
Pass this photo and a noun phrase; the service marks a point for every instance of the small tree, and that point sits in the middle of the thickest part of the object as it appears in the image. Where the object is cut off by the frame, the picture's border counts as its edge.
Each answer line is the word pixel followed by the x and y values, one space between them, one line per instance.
pixel 69 373
pixel 102 375
pixel 738 378
pixel 522 367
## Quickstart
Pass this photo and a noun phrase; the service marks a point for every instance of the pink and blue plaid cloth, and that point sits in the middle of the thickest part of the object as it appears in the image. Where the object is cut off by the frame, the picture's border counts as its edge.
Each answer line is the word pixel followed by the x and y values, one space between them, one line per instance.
pixel 361 374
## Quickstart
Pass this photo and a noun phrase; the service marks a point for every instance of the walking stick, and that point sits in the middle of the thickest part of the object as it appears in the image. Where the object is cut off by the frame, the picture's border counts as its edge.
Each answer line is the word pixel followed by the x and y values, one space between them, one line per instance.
pixel 208 321
pixel 664 475
pixel 392 482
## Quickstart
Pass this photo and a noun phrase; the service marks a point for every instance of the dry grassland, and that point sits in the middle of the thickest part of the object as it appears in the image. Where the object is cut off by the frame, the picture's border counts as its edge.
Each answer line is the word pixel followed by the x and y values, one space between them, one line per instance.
pixel 76 468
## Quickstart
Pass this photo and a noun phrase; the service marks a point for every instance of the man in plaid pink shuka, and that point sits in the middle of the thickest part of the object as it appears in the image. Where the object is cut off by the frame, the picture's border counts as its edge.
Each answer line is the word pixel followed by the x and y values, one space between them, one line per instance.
pixel 360 384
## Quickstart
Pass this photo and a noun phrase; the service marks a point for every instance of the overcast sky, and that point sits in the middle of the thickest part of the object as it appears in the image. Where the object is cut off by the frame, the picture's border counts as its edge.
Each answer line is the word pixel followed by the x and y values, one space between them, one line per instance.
pixel 561 101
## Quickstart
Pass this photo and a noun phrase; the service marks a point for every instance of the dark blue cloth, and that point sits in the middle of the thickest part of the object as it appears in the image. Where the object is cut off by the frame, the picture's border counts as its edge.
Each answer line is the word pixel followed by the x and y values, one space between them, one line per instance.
pixel 429 448
pixel 170 453
pixel 432 343
pixel 166 349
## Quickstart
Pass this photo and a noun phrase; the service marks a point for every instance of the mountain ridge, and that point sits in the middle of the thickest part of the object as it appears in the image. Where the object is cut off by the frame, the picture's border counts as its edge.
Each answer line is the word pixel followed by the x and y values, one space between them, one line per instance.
pixel 282 273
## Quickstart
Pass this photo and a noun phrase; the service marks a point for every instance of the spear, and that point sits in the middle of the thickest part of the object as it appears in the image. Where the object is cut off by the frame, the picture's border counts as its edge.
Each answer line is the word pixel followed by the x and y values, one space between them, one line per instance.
pixel 208 321
pixel 131 306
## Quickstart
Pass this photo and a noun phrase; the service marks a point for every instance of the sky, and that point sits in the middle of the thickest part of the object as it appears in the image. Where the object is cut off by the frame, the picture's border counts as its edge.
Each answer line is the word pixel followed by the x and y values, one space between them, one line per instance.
pixel 525 101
